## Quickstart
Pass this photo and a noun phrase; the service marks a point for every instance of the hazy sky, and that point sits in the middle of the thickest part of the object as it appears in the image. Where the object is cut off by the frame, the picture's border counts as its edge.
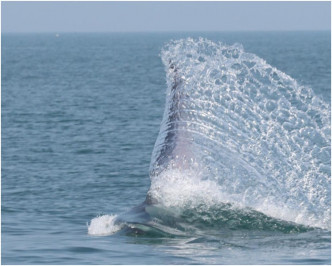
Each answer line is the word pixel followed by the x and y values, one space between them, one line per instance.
pixel 163 16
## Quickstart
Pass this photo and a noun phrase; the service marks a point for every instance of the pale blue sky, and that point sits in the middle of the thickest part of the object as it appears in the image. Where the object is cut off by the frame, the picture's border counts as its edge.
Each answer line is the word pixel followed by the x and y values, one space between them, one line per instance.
pixel 163 16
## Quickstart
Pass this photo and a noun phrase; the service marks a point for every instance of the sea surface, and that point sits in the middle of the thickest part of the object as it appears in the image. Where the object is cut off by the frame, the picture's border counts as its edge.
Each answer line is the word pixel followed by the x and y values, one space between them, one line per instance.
pixel 131 148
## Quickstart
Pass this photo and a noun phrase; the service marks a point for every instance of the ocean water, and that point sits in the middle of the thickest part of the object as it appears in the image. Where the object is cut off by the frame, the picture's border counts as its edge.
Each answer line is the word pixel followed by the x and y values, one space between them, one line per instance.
pixel 136 149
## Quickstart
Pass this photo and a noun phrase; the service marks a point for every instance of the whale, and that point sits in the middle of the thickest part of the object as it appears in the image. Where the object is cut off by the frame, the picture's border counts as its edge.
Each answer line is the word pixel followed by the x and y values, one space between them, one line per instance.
pixel 219 154
pixel 173 147
pixel 175 144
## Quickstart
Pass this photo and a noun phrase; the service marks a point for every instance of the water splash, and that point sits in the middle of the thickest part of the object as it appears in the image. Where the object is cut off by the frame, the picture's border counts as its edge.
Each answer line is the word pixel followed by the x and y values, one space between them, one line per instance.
pixel 103 225
pixel 237 130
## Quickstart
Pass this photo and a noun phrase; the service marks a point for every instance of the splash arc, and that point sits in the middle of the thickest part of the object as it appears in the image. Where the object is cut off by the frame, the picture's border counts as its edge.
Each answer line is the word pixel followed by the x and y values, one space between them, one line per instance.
pixel 242 132
pixel 241 145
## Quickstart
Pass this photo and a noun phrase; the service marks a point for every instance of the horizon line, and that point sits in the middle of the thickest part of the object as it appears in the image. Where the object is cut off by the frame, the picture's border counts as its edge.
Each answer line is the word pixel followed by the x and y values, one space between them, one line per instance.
pixel 167 31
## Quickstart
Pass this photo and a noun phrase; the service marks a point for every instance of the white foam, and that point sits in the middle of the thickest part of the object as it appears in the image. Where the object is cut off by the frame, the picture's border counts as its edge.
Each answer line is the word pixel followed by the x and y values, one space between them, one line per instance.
pixel 103 225
pixel 178 190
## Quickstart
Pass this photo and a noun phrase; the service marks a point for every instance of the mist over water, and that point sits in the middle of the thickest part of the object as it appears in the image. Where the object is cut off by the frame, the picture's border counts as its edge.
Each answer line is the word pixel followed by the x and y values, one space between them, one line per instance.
pixel 239 172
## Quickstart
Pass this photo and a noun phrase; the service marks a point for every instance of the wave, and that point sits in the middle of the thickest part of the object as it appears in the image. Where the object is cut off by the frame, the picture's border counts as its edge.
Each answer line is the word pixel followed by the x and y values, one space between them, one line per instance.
pixel 241 146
